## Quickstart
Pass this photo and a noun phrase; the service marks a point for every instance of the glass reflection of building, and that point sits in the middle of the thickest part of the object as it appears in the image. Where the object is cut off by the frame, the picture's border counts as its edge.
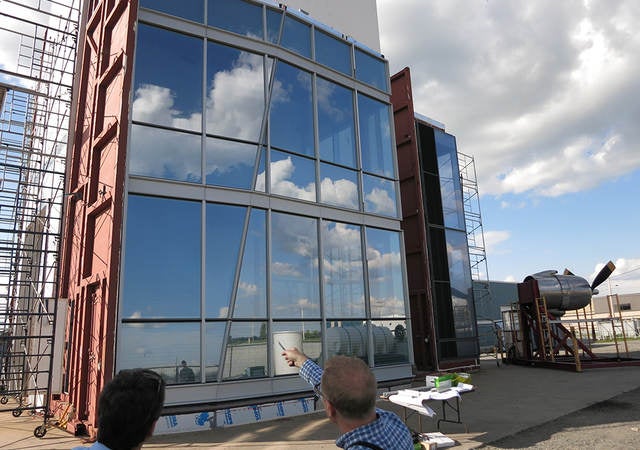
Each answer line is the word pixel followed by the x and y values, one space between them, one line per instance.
pixel 262 201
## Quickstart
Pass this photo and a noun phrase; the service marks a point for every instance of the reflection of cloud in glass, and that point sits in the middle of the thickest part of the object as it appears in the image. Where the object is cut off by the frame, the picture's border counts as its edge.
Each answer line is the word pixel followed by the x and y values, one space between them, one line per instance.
pixel 235 101
pixel 224 312
pixel 155 104
pixel 342 250
pixel 281 173
pixel 296 307
pixel 325 91
pixel 225 156
pixel 247 290
pixel 340 192
pixel 381 263
pixel 285 269
pixel 380 202
pixel 387 306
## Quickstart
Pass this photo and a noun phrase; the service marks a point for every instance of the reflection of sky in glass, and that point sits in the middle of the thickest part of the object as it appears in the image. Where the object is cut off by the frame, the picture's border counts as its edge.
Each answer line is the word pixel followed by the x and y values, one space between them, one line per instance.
pixel 165 154
pixel 230 163
pixel 294 267
pixel 224 233
pixel 293 176
pixel 251 301
pixel 379 196
pixel 160 347
pixel 371 70
pixel 163 94
pixel 291 118
pixel 338 186
pixel 375 136
pixel 235 92
pixel 238 16
pixel 162 258
pixel 274 18
pixel 384 264
pixel 342 270
pixel 450 188
pixel 336 123
pixel 191 9
pixel 297 36
pixel 333 52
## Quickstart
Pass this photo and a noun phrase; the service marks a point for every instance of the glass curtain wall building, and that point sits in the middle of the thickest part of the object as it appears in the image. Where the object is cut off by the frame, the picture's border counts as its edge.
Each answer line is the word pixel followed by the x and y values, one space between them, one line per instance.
pixel 262 202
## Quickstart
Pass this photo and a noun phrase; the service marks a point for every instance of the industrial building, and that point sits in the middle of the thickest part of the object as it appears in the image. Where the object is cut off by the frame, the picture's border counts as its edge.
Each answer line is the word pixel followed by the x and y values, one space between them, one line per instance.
pixel 233 186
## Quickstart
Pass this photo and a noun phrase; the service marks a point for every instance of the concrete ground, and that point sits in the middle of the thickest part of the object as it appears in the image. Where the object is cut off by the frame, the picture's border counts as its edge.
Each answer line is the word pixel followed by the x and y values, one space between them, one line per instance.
pixel 508 401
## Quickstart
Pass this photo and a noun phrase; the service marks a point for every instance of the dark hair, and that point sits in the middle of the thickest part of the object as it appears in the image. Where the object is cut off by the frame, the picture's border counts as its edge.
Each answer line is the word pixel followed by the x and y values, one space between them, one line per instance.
pixel 128 407
pixel 350 386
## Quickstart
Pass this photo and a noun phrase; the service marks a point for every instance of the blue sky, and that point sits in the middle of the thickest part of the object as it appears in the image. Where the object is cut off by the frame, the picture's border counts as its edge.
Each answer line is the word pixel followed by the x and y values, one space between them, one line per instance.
pixel 545 96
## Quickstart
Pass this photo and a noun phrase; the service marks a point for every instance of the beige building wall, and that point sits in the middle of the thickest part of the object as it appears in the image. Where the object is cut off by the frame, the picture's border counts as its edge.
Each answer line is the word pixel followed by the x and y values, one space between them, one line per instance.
pixel 355 18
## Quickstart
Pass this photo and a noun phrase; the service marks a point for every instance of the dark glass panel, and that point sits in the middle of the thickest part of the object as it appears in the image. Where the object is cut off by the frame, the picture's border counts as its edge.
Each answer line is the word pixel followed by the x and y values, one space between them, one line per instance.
pixel 336 123
pixel 461 284
pixel 295 280
pixel 333 52
pixel 371 70
pixel 163 93
pixel 224 234
pixel 162 258
pixel 187 9
pixel 237 16
pixel 450 187
pixel 166 154
pixel 235 92
pixel 291 117
pixel 213 346
pixel 375 136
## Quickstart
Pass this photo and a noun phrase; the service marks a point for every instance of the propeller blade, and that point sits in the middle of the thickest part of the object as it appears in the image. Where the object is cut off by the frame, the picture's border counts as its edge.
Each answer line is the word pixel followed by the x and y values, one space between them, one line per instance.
pixel 568 272
pixel 603 275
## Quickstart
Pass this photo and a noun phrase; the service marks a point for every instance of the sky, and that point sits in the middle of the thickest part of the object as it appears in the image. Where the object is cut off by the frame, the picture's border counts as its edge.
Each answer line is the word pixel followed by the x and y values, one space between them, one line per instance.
pixel 545 96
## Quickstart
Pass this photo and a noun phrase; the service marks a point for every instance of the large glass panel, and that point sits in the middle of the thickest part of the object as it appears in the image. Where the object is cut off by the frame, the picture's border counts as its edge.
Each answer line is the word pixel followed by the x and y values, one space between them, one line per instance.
pixel 291 117
pixel 461 284
pixel 390 344
pixel 236 15
pixel 165 93
pixel 295 281
pixel 379 196
pixel 214 335
pixel 246 352
pixel 293 176
pixel 371 70
pixel 307 333
pixel 161 347
pixel 375 136
pixel 230 163
pixel 348 338
pixel 384 262
pixel 333 52
pixel 450 188
pixel 162 258
pixel 297 36
pixel 224 237
pixel 251 297
pixel 235 92
pixel 339 186
pixel 167 154
pixel 336 127
pixel 187 9
pixel 342 267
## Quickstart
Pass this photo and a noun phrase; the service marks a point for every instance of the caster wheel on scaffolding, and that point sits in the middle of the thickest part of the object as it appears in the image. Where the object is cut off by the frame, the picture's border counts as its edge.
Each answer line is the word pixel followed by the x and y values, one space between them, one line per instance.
pixel 40 431
pixel 16 412
pixel 4 400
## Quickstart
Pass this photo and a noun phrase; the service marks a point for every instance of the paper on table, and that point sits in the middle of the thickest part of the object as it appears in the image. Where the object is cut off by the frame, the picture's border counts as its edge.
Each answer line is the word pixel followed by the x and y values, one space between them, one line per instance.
pixel 413 402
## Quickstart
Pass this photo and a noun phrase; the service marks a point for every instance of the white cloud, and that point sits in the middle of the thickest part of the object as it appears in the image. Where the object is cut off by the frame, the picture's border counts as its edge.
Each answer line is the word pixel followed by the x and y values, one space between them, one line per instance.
pixel 493 239
pixel 625 279
pixel 542 94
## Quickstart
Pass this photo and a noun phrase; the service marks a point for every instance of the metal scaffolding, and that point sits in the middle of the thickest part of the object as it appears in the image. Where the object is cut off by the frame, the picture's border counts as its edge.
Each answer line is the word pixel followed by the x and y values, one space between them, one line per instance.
pixel 34 120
